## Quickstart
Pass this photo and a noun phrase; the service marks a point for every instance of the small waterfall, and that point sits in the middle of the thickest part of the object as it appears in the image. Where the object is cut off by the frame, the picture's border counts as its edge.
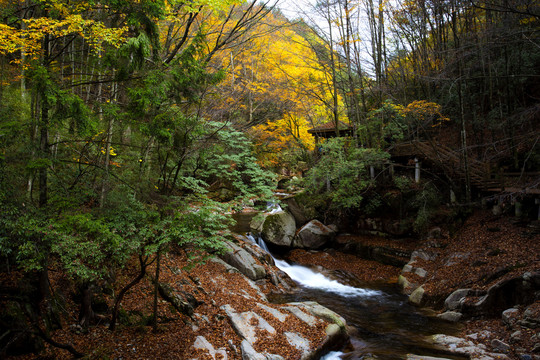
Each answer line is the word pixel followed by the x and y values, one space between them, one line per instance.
pixel 311 279
pixel 273 208
pixel 260 242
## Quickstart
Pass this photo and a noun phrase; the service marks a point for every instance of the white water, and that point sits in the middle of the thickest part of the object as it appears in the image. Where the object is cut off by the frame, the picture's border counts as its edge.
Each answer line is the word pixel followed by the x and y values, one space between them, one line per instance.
pixel 334 355
pixel 314 280
pixel 311 279
pixel 273 208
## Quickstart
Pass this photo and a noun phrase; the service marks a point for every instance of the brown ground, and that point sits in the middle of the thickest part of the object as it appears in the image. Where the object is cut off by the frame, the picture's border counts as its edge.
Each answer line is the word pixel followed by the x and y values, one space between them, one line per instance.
pixel 491 249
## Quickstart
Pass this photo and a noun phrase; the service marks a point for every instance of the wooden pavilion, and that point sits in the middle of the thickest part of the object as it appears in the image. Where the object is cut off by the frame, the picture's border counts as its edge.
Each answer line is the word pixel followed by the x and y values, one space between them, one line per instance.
pixel 328 130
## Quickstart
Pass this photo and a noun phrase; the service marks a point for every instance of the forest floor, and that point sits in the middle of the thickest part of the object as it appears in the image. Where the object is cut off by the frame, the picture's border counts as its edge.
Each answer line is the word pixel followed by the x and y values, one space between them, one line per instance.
pixel 497 248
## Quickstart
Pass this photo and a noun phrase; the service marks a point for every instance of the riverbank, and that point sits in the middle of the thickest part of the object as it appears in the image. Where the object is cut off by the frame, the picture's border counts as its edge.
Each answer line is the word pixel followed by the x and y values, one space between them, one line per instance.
pixel 488 252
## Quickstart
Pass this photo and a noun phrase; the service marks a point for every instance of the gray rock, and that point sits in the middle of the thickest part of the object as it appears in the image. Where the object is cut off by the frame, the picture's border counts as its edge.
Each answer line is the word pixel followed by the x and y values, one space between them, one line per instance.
pixel 322 312
pixel 420 272
pixel 298 342
pixel 313 235
pixel 420 254
pixel 407 268
pixel 296 210
pixel 249 353
pixel 515 336
pixel 307 318
pixel 274 312
pixel 247 324
pixel 530 318
pixel 509 316
pixel 456 299
pixel 500 346
pixel 202 344
pixel 450 316
pixel 417 296
pixel 242 260
pixel 279 229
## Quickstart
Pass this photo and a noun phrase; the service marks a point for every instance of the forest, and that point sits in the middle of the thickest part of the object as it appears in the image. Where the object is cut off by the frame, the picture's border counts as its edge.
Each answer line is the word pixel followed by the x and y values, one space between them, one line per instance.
pixel 132 129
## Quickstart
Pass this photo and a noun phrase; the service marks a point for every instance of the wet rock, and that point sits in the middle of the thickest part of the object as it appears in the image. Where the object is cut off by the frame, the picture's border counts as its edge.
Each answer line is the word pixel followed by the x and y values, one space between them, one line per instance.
pixel 242 260
pixel 456 299
pixel 322 312
pixel 417 296
pixel 463 347
pixel 450 316
pixel 313 235
pixel 422 357
pixel 500 346
pixel 279 229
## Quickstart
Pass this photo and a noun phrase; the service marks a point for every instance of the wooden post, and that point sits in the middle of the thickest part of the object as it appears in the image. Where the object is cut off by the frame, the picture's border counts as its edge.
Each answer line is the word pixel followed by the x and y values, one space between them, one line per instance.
pixel 416 170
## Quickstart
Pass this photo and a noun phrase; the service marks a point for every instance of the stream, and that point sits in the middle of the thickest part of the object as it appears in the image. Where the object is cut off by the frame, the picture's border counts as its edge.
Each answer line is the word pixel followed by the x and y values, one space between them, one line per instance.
pixel 387 327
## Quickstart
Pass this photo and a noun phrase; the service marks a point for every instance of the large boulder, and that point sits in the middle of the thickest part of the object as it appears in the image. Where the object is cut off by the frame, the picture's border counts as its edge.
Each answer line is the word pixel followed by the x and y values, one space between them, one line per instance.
pixel 242 260
pixel 252 326
pixel 296 210
pixel 313 235
pixel 279 229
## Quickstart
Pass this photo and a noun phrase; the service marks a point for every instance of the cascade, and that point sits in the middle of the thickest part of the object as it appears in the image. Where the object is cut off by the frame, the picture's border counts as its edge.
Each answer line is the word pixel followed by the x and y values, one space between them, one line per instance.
pixel 387 326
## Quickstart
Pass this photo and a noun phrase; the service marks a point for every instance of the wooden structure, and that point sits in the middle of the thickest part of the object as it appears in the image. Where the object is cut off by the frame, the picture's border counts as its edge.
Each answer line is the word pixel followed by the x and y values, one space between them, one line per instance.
pixel 451 162
pixel 328 130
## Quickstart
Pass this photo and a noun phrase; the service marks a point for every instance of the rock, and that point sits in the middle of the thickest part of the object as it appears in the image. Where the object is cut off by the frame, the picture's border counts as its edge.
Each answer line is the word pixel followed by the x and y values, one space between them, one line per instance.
pixel 420 272
pixel 509 316
pixel 420 254
pixel 279 229
pixel 462 347
pixel 248 324
pixel 422 357
pixel 407 268
pixel 456 299
pixel 435 233
pixel 500 346
pixel 182 301
pixel 298 342
pixel 536 348
pixel 308 319
pixel 296 211
pixel 322 312
pixel 313 235
pixel 515 337
pixel 274 312
pixel 203 344
pixel 505 294
pixel 249 353
pixel 257 222
pixel 242 260
pixel 450 316
pixel 531 317
pixel 417 296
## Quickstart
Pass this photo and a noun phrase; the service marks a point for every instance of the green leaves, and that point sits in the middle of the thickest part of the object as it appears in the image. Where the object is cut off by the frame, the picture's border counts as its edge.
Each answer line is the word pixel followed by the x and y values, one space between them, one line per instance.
pixel 342 173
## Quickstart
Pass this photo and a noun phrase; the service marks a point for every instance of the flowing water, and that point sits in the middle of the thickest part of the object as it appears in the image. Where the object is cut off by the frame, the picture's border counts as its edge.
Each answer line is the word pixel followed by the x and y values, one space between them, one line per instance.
pixel 386 325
